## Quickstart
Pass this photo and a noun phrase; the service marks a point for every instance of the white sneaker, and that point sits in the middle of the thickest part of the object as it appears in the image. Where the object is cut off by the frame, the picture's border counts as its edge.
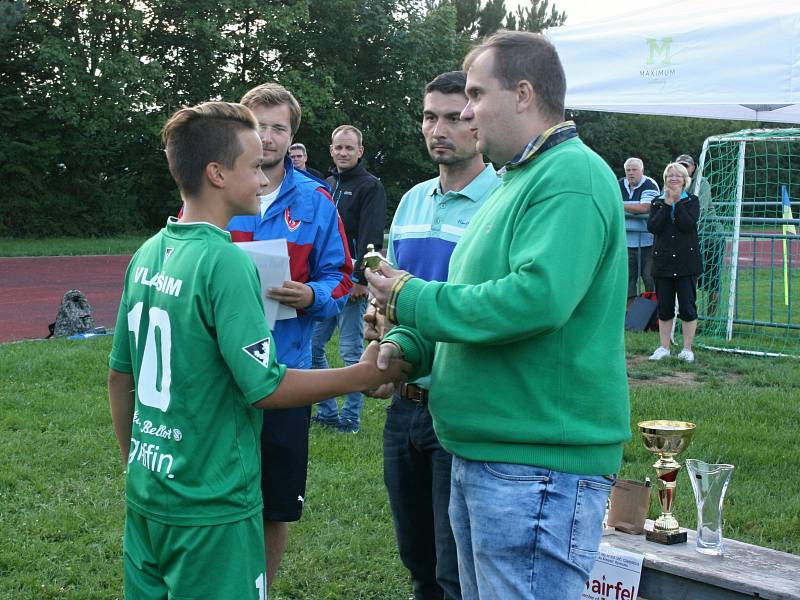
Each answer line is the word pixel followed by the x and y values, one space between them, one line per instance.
pixel 660 353
pixel 686 355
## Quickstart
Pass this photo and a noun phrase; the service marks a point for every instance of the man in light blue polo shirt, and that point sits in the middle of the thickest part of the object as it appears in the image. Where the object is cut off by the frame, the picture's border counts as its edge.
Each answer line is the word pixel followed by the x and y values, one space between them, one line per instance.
pixel 427 225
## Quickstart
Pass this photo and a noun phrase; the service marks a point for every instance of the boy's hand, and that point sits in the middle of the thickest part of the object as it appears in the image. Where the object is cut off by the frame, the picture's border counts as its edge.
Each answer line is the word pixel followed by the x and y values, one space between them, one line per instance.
pixel 382 368
pixel 293 293
pixel 357 292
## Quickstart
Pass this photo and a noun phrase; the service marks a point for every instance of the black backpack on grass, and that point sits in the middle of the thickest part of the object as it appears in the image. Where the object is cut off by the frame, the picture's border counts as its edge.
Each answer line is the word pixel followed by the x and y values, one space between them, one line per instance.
pixel 74 316
pixel 643 313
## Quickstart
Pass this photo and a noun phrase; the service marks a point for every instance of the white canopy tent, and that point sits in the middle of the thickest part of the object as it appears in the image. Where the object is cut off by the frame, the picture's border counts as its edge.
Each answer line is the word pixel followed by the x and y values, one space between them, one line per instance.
pixel 718 59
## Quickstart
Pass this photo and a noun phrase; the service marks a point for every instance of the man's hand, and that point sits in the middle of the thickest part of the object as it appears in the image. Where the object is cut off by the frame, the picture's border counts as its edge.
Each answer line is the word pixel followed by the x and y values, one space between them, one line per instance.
pixel 636 209
pixel 380 286
pixel 386 352
pixel 374 324
pixel 385 368
pixel 293 293
pixel 358 291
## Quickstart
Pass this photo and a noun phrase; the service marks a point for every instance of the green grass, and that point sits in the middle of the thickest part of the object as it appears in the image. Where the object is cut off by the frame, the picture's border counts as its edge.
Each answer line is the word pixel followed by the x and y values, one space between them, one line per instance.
pixel 61 484
pixel 746 410
pixel 759 298
pixel 69 246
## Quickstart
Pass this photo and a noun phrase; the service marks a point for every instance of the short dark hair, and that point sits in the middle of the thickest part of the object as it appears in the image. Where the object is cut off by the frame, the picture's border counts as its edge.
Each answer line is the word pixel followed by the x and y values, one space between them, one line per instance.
pixel 521 55
pixel 452 82
pixel 197 135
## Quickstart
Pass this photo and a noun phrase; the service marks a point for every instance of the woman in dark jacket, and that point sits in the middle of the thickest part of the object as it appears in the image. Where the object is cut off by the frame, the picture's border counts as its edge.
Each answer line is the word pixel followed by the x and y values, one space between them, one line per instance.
pixel 676 258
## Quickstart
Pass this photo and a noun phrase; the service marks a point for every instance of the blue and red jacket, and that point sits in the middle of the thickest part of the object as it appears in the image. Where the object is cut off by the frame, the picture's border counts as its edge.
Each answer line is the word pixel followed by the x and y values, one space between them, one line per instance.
pixel 304 214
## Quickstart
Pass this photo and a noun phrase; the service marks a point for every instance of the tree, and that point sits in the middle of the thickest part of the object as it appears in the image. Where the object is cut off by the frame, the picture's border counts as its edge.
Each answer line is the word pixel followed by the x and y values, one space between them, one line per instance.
pixel 535 17
pixel 11 13
pixel 657 140
pixel 370 62
pixel 475 19
pixel 86 86
pixel 71 74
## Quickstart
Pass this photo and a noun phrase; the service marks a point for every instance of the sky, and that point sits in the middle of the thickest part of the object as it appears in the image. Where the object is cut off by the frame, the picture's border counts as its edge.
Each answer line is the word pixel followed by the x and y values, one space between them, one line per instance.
pixel 582 11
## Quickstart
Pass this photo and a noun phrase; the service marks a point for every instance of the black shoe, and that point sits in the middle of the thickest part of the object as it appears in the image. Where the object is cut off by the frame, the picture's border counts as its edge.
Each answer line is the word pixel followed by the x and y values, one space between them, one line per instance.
pixel 325 422
pixel 347 426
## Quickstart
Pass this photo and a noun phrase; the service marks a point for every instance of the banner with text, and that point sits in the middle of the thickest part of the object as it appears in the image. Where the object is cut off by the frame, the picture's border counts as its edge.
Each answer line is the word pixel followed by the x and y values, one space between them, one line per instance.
pixel 615 575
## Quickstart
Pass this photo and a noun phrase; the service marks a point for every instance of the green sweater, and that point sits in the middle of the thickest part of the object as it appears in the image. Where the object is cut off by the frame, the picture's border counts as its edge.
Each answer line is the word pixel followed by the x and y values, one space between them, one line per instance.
pixel 529 361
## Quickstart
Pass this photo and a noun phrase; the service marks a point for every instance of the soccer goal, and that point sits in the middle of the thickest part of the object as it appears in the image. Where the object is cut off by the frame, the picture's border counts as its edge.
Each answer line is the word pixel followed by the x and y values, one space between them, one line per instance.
pixel 748 297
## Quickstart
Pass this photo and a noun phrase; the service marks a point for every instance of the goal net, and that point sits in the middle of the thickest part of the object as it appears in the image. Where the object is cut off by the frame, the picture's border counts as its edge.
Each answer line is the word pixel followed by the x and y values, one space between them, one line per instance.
pixel 748 297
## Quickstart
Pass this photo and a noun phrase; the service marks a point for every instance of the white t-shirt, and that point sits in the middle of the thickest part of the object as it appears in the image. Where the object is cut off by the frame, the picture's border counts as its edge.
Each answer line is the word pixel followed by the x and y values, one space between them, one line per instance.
pixel 267 200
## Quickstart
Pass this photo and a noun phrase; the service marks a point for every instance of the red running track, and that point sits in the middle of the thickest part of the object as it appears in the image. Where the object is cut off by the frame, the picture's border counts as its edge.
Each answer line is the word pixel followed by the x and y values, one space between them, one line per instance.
pixel 766 252
pixel 31 289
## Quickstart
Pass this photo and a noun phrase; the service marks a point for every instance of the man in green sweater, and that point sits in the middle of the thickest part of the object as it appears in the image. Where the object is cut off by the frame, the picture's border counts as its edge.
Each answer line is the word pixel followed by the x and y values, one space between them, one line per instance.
pixel 524 342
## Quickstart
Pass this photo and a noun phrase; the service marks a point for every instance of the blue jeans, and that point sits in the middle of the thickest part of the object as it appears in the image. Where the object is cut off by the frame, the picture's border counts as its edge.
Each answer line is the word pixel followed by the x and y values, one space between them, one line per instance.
pixel 416 471
pixel 351 345
pixel 523 531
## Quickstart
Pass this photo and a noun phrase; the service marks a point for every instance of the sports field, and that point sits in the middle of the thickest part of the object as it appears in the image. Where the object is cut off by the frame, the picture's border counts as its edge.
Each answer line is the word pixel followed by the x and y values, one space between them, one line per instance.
pixel 61 483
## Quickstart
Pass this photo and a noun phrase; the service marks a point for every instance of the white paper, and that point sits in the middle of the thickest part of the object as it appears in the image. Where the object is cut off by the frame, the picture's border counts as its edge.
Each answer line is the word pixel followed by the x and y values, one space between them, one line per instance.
pixel 271 258
pixel 615 575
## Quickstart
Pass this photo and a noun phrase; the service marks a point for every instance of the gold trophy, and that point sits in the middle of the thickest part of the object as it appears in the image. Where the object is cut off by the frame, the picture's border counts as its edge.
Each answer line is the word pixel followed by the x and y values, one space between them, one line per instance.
pixel 667 439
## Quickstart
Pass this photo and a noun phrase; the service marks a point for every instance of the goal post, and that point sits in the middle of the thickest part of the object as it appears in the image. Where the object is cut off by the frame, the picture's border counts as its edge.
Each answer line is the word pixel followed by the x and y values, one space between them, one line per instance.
pixel 748 296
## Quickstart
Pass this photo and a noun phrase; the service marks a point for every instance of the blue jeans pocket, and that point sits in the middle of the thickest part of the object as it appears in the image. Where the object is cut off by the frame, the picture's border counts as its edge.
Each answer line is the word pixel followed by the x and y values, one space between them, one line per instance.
pixel 514 472
pixel 587 524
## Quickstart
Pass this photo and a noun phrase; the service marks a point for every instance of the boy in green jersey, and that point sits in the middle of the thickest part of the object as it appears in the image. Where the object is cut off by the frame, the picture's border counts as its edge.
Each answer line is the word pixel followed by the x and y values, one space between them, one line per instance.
pixel 192 359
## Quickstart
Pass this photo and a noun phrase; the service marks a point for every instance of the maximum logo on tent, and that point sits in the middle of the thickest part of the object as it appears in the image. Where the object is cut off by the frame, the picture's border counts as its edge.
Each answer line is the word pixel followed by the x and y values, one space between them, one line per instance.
pixel 658 67
pixel 659 48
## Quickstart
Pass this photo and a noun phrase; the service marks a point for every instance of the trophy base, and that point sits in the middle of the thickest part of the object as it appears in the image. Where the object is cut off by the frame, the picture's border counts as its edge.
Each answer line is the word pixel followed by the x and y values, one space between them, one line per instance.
pixel 666 537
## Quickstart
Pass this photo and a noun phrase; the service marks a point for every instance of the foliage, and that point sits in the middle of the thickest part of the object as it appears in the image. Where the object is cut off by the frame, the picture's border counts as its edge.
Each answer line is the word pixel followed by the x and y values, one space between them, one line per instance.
pixel 656 140
pixel 59 470
pixel 11 12
pixel 476 19
pixel 87 85
pixel 535 17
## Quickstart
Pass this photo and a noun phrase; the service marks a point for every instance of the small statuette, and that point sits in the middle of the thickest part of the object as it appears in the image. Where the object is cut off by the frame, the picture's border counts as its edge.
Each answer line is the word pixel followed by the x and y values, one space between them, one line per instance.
pixel 372 259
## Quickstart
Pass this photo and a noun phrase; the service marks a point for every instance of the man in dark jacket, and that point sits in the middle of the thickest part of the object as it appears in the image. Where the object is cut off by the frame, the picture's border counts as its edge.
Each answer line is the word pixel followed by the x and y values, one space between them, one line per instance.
pixel 361 201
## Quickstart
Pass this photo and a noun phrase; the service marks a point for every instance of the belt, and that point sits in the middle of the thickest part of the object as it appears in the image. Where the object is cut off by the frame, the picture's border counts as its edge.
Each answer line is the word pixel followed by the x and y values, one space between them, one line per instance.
pixel 414 393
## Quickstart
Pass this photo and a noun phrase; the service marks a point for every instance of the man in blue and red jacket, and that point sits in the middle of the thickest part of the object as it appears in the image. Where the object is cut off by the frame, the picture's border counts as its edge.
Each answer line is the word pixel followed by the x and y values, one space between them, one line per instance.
pixel 298 207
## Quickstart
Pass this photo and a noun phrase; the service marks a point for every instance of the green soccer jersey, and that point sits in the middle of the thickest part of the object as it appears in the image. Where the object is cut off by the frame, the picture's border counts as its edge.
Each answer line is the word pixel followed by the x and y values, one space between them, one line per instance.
pixel 191 329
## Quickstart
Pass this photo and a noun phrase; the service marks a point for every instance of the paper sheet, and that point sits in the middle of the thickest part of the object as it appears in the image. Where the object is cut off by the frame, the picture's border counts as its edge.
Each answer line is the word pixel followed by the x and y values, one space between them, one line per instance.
pixel 271 258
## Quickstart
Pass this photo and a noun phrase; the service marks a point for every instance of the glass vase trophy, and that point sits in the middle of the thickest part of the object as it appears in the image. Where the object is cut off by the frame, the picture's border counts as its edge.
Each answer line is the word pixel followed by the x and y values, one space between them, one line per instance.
pixel 667 439
pixel 709 483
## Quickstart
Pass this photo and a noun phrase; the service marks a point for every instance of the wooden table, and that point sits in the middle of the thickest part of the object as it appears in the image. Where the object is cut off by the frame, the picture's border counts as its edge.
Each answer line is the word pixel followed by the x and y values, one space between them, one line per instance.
pixel 679 572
